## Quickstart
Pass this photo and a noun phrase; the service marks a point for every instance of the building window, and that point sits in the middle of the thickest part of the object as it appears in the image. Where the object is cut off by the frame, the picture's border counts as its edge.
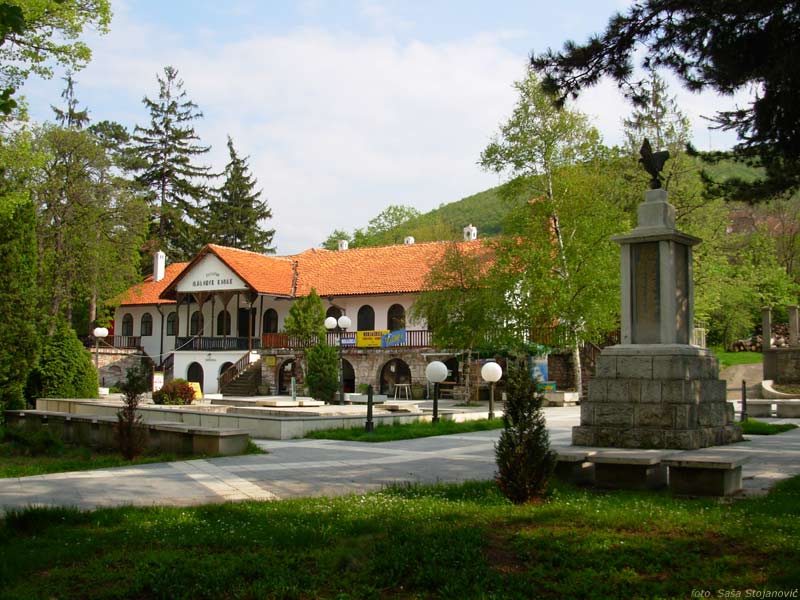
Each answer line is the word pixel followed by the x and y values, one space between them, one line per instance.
pixel 366 318
pixel 196 323
pixel 172 323
pixel 334 311
pixel 396 317
pixel 127 324
pixel 147 325
pixel 224 323
pixel 270 321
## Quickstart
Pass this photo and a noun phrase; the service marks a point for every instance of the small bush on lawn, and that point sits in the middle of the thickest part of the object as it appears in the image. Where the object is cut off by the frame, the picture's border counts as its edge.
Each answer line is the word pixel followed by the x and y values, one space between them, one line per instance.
pixel 177 391
pixel 524 459
pixel 130 429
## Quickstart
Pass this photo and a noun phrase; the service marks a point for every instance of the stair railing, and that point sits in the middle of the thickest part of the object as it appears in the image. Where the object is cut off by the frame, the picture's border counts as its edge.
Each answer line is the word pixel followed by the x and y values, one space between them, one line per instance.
pixel 234 370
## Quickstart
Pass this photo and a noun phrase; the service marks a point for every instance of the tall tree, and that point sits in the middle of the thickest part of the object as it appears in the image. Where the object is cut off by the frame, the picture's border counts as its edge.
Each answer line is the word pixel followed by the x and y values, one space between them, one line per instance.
pixel 236 213
pixel 71 116
pixel 167 148
pixel 721 45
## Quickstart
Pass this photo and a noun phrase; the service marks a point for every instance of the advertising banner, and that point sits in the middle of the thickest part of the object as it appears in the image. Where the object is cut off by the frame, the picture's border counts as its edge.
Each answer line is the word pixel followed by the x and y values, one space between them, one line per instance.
pixel 158 380
pixel 370 339
pixel 395 338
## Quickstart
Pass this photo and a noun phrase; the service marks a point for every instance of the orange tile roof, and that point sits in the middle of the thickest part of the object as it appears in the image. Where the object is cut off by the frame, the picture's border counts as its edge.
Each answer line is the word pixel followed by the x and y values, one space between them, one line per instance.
pixel 360 271
pixel 149 292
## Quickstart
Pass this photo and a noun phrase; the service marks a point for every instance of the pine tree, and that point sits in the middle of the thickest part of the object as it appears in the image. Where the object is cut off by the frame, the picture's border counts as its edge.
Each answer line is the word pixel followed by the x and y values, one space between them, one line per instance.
pixel 71 117
pixel 236 212
pixel 168 147
pixel 323 372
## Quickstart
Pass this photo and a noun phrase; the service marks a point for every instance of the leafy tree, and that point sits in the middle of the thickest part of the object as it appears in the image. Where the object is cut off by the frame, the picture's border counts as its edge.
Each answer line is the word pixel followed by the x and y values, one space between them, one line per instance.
pixel 742 45
pixel 387 228
pixel 236 213
pixel 322 377
pixel 65 368
pixel 525 462
pixel 167 149
pixel 332 241
pixel 306 318
pixel 36 35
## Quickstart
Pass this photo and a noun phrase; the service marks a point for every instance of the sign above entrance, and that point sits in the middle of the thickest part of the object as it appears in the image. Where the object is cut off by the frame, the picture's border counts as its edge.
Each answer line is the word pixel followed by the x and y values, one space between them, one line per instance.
pixel 210 274
pixel 370 338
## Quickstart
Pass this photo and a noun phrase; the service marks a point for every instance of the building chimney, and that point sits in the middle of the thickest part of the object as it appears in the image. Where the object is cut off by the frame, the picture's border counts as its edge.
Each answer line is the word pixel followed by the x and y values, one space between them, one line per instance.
pixel 343 244
pixel 470 233
pixel 159 265
pixel 409 241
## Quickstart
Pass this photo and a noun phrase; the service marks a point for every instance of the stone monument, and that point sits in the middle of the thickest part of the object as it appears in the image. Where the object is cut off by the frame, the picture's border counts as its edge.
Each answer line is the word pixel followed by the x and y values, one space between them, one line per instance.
pixel 655 389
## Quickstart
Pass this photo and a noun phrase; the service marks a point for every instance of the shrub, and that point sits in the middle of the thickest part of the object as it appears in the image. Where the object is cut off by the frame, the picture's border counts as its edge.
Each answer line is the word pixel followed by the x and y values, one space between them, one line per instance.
pixel 65 368
pixel 177 391
pixel 524 459
pixel 323 372
pixel 130 429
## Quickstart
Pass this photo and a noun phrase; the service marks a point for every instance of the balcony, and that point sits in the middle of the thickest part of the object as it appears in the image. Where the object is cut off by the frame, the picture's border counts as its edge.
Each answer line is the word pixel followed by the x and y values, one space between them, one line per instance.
pixel 415 338
pixel 210 344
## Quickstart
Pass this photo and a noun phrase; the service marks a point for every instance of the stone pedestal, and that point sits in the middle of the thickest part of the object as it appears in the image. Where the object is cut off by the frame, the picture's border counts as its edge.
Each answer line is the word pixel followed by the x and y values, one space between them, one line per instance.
pixel 656 396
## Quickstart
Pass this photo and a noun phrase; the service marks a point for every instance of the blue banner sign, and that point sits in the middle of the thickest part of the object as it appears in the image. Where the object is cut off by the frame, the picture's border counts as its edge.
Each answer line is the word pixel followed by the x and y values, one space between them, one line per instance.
pixel 347 342
pixel 394 338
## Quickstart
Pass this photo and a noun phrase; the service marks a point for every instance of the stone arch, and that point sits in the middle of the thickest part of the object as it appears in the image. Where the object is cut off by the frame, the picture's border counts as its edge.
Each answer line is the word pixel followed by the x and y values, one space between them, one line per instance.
pixel 348 376
pixel 394 371
pixel 285 373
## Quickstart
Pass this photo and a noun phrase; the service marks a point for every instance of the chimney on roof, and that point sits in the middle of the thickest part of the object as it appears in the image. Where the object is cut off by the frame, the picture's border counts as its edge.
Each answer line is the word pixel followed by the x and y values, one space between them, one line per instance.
pixel 159 265
pixel 470 233
pixel 409 241
pixel 343 244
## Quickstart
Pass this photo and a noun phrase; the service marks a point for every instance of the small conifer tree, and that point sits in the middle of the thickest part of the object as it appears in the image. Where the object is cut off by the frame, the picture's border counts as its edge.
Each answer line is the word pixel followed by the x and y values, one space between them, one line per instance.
pixel 524 459
pixel 323 372
pixel 130 429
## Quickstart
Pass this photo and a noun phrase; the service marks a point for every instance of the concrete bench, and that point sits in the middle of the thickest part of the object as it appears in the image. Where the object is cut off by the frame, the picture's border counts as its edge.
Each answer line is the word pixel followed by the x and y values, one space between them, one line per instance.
pixel 759 408
pixel 630 469
pixel 572 464
pixel 400 405
pixel 787 408
pixel 704 473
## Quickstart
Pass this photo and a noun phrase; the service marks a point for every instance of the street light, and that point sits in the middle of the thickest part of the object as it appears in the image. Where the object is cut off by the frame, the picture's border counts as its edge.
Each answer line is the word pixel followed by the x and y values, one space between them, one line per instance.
pixel 436 372
pixel 491 372
pixel 341 325
pixel 99 332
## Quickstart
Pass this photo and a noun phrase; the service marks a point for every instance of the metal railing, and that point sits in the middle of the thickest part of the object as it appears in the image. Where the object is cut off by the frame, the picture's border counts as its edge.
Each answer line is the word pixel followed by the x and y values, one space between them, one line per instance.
pixel 415 338
pixel 216 343
pixel 234 370
pixel 125 341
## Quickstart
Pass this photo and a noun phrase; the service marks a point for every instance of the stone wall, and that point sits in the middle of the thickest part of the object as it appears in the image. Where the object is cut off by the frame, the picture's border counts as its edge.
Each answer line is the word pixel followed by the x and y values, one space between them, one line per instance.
pixel 114 364
pixel 782 365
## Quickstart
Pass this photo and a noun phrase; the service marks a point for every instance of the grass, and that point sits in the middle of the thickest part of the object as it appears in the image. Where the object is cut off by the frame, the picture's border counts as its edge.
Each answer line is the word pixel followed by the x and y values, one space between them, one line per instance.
pixel 408 431
pixel 22 457
pixel 753 427
pixel 728 359
pixel 454 541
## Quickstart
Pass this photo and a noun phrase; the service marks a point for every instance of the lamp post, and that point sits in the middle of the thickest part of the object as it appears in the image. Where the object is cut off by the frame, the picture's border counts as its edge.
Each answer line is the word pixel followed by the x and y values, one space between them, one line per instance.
pixel 340 325
pixel 436 372
pixel 99 332
pixel 491 372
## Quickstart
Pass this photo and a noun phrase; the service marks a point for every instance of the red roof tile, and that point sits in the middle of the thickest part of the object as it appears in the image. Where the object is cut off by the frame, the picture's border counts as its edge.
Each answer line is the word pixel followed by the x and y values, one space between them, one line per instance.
pixel 149 292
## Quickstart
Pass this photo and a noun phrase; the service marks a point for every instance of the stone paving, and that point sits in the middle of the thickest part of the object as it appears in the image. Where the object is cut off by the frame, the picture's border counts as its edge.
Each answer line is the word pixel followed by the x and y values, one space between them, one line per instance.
pixel 298 468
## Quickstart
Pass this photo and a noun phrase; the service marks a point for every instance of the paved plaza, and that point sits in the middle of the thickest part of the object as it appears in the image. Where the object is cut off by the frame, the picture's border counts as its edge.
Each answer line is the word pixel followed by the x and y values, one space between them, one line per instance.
pixel 300 468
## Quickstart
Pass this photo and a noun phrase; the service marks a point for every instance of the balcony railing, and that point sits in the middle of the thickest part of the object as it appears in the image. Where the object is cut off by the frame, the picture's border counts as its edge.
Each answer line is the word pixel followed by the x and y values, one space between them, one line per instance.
pixel 124 341
pixel 415 338
pixel 216 343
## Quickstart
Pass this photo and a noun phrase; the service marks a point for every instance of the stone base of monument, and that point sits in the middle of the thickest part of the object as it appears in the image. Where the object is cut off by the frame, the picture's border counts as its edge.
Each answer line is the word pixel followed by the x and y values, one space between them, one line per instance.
pixel 656 396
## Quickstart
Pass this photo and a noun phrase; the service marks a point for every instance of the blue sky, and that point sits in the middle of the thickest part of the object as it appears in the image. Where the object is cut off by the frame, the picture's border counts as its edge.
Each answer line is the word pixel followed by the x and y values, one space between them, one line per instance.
pixel 345 107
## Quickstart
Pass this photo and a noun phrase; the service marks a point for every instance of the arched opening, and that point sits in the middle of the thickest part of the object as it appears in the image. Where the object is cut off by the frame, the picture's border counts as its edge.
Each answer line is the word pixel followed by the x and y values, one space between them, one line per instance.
pixel 270 321
pixel 172 323
pixel 147 325
pixel 195 373
pixel 349 377
pixel 196 323
pixel 452 369
pixel 225 366
pixel 333 311
pixel 127 324
pixel 393 372
pixel 396 317
pixel 224 323
pixel 366 318
pixel 285 374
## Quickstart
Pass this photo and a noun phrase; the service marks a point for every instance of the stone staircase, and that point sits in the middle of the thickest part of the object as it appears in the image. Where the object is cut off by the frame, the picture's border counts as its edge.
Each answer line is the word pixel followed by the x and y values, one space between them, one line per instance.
pixel 246 383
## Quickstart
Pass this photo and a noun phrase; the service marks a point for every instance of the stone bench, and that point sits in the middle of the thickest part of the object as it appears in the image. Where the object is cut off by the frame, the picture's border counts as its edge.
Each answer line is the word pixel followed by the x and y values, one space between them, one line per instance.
pixel 400 405
pixel 573 466
pixel 787 409
pixel 700 473
pixel 630 469
pixel 759 408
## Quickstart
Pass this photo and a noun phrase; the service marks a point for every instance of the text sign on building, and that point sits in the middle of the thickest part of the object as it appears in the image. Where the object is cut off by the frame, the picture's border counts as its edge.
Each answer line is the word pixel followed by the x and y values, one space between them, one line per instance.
pixel 394 338
pixel 346 342
pixel 210 274
pixel 370 339
pixel 158 380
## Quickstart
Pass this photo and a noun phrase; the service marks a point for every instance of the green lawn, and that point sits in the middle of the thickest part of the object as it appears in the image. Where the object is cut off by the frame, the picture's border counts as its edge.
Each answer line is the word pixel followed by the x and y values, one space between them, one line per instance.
pixel 389 433
pixel 22 456
pixel 753 427
pixel 462 541
pixel 727 359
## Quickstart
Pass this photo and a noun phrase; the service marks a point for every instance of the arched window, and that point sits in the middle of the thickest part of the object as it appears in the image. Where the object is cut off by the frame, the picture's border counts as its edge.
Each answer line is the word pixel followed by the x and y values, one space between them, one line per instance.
pixel 127 324
pixel 334 311
pixel 196 323
pixel 147 325
pixel 396 317
pixel 224 323
pixel 366 318
pixel 172 323
pixel 270 321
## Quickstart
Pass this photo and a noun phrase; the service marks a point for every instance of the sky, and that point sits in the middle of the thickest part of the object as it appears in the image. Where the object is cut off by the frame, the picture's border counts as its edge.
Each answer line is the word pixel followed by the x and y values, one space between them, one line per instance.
pixel 347 107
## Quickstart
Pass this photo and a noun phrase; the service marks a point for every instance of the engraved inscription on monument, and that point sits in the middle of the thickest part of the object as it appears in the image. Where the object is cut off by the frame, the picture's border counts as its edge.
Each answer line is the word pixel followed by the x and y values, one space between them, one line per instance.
pixel 682 293
pixel 645 293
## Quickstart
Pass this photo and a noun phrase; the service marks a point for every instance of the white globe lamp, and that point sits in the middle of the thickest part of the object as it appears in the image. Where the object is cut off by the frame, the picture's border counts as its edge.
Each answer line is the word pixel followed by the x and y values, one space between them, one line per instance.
pixel 491 372
pixel 436 372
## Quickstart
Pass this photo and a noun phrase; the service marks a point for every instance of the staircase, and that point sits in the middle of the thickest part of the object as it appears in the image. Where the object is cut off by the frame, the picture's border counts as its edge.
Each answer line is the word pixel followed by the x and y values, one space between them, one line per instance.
pixel 245 383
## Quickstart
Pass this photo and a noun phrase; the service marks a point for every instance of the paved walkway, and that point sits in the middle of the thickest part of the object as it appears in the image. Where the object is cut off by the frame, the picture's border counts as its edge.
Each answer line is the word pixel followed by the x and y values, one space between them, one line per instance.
pixel 298 468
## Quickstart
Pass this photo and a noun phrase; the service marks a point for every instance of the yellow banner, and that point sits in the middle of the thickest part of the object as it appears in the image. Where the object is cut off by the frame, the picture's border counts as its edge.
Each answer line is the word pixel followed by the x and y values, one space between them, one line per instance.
pixel 370 339
pixel 270 360
pixel 198 393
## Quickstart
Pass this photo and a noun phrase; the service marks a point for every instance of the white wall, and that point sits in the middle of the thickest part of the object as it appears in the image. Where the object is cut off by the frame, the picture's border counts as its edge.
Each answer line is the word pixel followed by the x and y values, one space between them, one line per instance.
pixel 211 363
pixel 380 304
